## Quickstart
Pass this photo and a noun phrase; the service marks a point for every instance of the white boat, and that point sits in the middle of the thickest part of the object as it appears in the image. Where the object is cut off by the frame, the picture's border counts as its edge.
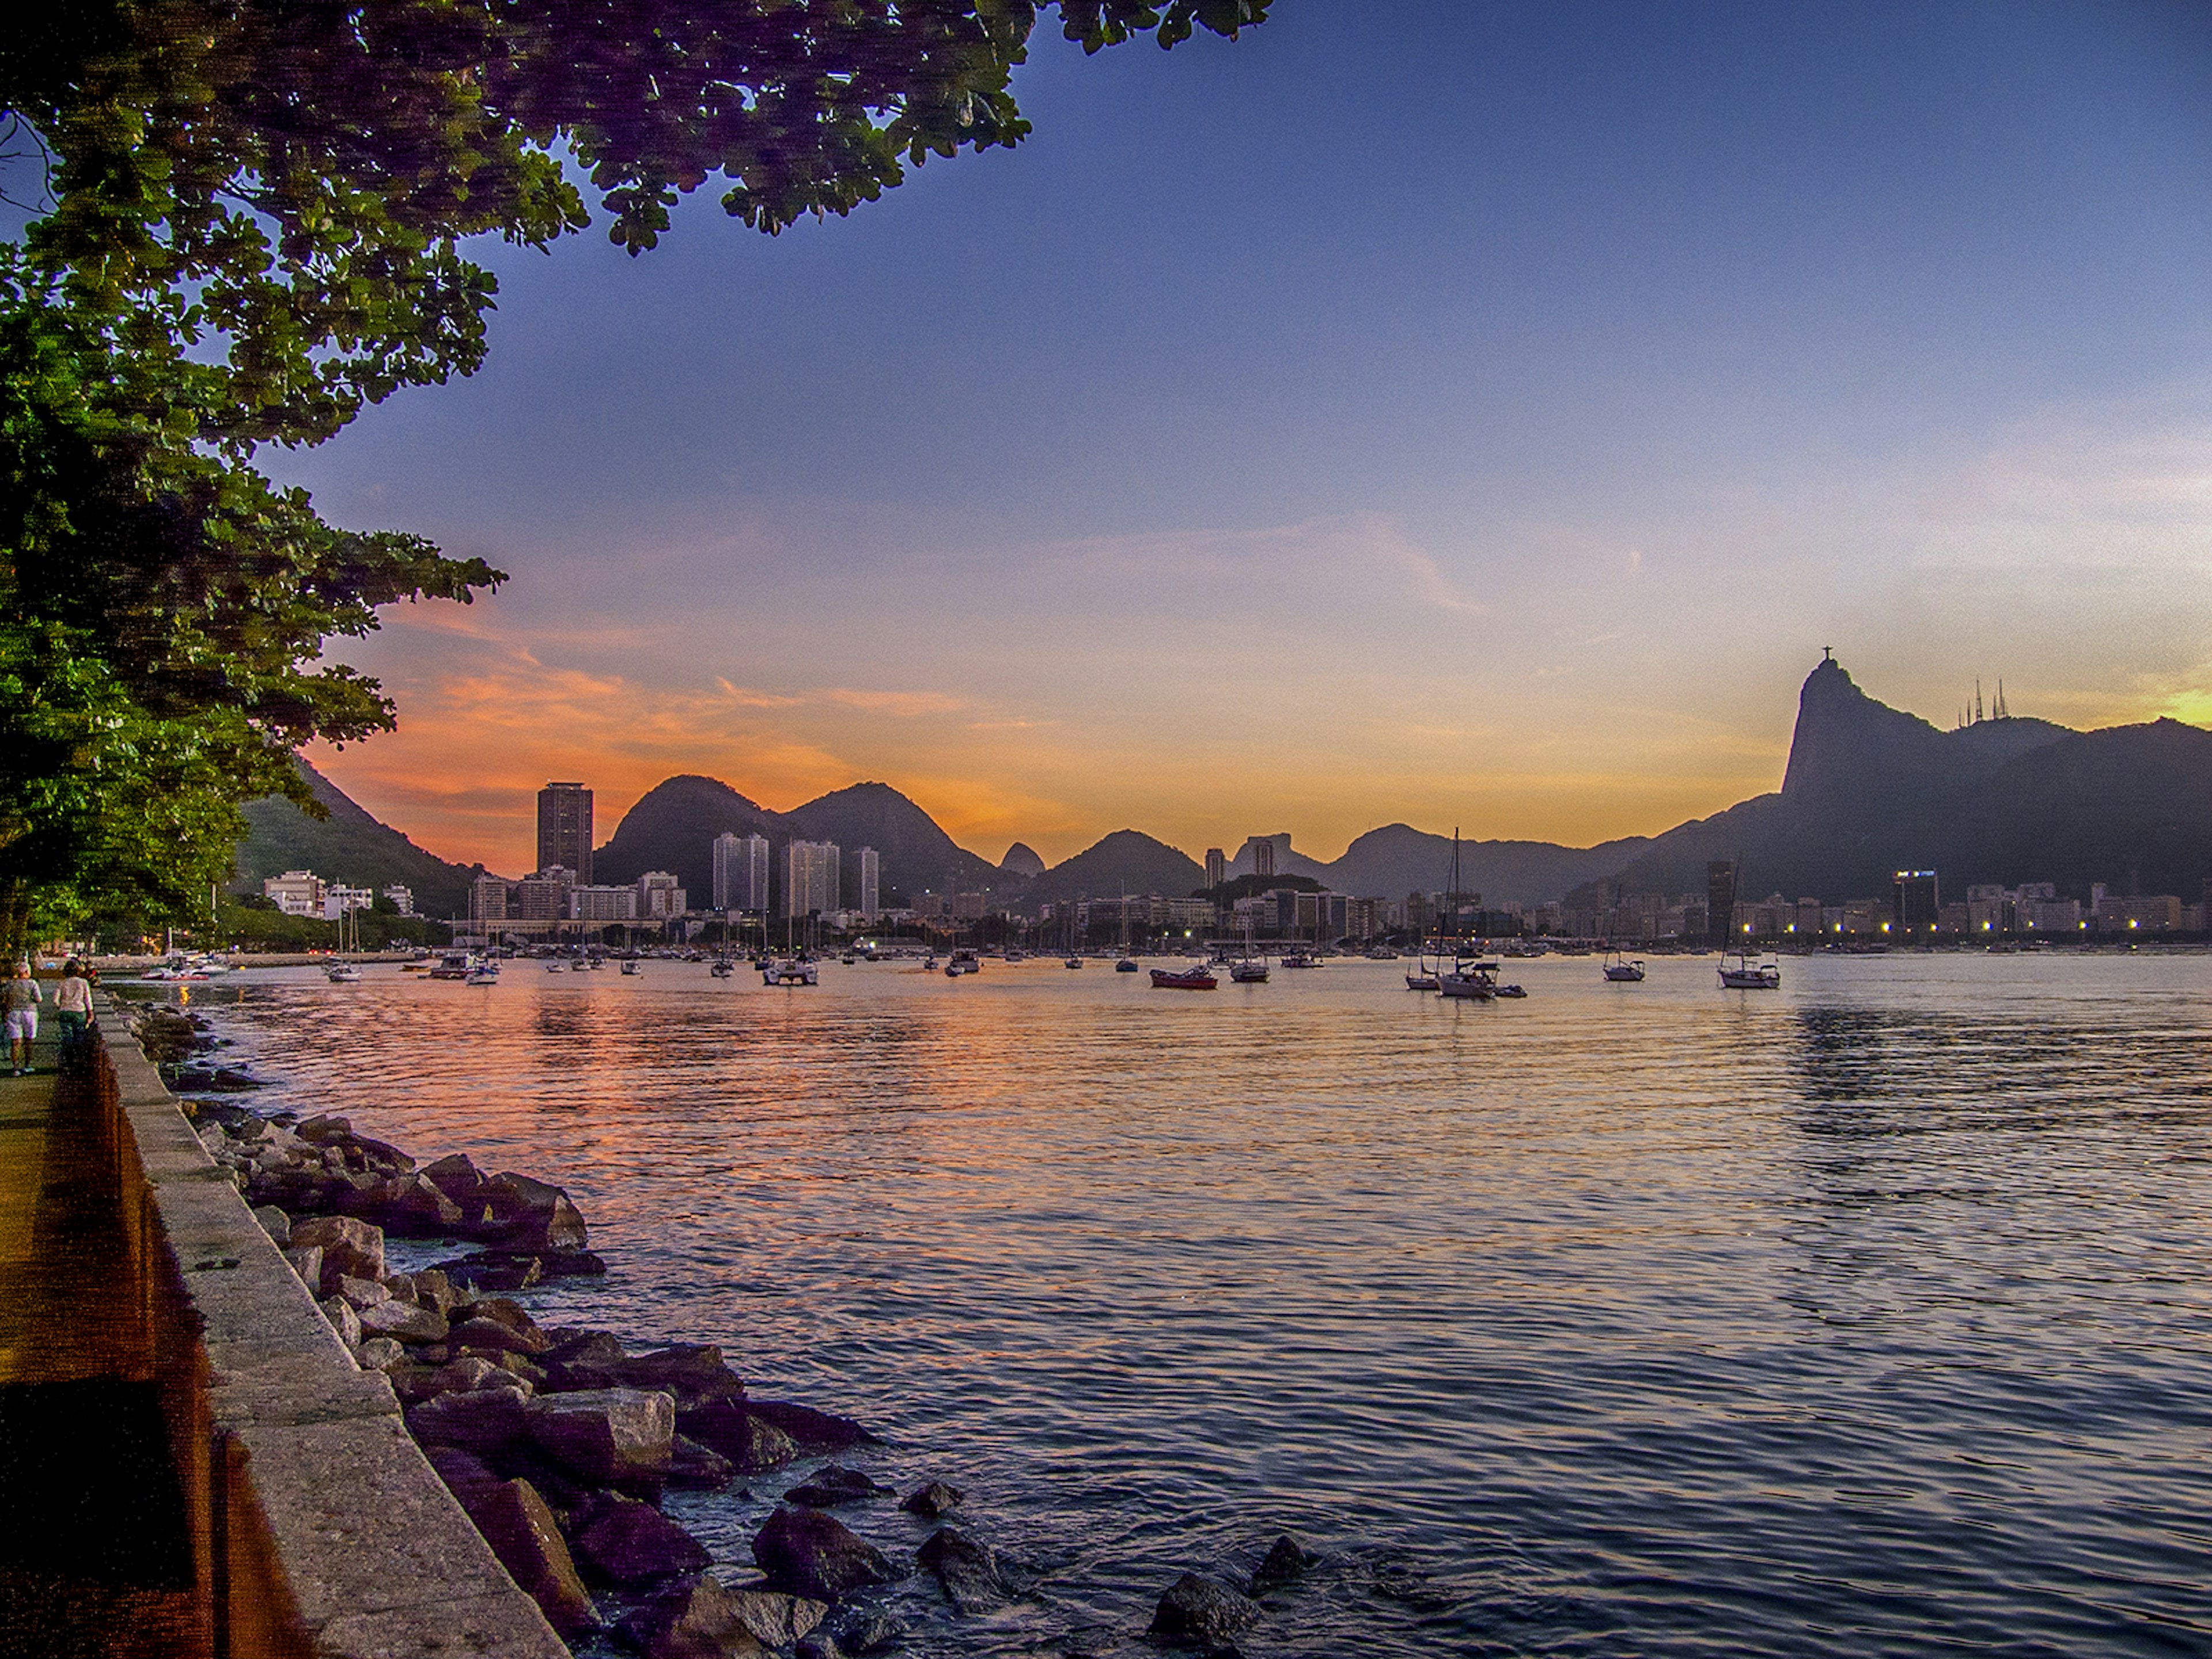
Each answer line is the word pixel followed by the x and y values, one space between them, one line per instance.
pixel 1072 961
pixel 963 961
pixel 343 973
pixel 1740 973
pixel 1300 959
pixel 552 966
pixel 630 969
pixel 722 967
pixel 1424 980
pixel 1252 970
pixel 482 974
pixel 792 971
pixel 1469 979
pixel 1623 970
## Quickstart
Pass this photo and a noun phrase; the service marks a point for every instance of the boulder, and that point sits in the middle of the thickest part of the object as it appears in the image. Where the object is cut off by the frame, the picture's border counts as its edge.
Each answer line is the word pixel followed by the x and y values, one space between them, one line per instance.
pixel 516 1212
pixel 831 1484
pixel 571 1264
pixel 585 1360
pixel 474 1331
pixel 275 1224
pixel 731 1427
pixel 520 1531
pixel 433 1290
pixel 692 1618
pixel 488 1272
pixel 308 1264
pixel 855 1628
pixel 403 1322
pixel 406 1204
pixel 402 1286
pixel 344 1321
pixel 606 1434
pixel 775 1617
pixel 967 1569
pixel 320 1130
pixel 818 1556
pixel 693 1374
pixel 1285 1563
pixel 379 1155
pixel 698 1468
pixel 632 1544
pixel 482 1421
pixel 360 1294
pixel 378 1353
pixel 460 1469
pixel 465 1374
pixel 1201 1613
pixel 815 1431
pixel 932 1500
pixel 455 1175
pixel 348 1245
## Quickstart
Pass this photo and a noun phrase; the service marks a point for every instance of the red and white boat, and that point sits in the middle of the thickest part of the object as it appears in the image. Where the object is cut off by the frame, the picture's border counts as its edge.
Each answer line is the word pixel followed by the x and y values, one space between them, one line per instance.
pixel 1194 978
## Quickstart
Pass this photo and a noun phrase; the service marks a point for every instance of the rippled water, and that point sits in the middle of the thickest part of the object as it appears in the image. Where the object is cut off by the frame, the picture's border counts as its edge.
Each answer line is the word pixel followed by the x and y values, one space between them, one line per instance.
pixel 1869 1317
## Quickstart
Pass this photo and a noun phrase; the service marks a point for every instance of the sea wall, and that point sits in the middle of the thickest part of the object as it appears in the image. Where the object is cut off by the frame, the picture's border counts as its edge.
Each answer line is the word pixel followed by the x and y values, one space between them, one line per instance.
pixel 321 1529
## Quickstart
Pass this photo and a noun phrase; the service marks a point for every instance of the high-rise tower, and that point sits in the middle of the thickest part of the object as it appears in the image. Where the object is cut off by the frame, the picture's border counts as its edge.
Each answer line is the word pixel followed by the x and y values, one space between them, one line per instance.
pixel 564 830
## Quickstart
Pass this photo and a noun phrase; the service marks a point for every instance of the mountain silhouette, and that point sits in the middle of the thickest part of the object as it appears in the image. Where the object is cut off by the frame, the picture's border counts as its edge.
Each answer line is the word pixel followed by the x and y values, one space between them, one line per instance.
pixel 350 846
pixel 1022 861
pixel 1125 861
pixel 917 856
pixel 672 827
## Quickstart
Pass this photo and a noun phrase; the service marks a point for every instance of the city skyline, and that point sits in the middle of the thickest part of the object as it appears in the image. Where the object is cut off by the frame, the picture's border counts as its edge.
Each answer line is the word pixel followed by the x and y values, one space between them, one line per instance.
pixel 1628 363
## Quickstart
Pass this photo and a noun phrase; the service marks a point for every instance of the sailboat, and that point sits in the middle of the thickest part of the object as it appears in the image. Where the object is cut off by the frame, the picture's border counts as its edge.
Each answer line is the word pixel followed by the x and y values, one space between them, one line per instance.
pixel 1470 978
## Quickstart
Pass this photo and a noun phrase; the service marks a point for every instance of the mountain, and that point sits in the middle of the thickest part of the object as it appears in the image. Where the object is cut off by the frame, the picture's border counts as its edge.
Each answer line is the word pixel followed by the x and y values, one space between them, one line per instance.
pixel 1125 862
pixel 1022 861
pixel 1870 790
pixel 672 827
pixel 349 846
pixel 917 856
pixel 1397 859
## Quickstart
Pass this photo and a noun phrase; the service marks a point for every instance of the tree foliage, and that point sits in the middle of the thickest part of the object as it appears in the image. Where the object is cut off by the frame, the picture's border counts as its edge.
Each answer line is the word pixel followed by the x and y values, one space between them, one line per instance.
pixel 250 218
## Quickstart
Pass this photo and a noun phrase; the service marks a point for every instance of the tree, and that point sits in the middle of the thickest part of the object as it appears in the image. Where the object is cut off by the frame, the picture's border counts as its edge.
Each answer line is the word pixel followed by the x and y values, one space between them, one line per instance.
pixel 250 221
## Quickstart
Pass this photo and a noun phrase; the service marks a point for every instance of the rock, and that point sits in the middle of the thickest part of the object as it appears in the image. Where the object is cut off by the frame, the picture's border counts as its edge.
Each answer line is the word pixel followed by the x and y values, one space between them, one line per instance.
pixel 633 1544
pixel 408 1205
pixel 693 1375
pixel 831 1484
pixel 379 1155
pixel 320 1130
pixel 503 1311
pixel 492 1273
pixel 360 1294
pixel 465 1374
pixel 477 1332
pixel 585 1360
pixel 308 1264
pixel 857 1628
pixel 348 1245
pixel 344 1321
pixel 693 1618
pixel 775 1617
pixel 932 1500
pixel 818 1556
pixel 378 1353
pixel 516 1212
pixel 458 1468
pixel 455 1175
pixel 606 1434
pixel 520 1531
pixel 275 1224
pixel 485 1422
pixel 698 1468
pixel 571 1264
pixel 731 1427
pixel 967 1570
pixel 1201 1613
pixel 1285 1563
pixel 404 1321
pixel 807 1427
pixel 433 1290
pixel 401 1287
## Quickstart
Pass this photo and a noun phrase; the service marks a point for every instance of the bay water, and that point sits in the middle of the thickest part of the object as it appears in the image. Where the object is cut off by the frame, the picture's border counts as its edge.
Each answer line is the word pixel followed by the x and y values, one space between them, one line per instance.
pixel 1870 1315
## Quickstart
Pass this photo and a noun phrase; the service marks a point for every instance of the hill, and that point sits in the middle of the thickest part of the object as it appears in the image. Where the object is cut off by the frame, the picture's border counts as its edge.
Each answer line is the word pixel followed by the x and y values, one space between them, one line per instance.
pixel 1397 859
pixel 1870 790
pixel 1124 862
pixel 917 855
pixel 672 827
pixel 349 846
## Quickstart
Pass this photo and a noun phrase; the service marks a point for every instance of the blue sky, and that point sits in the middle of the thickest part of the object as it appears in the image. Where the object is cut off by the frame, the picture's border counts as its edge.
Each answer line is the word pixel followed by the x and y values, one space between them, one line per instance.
pixel 1441 412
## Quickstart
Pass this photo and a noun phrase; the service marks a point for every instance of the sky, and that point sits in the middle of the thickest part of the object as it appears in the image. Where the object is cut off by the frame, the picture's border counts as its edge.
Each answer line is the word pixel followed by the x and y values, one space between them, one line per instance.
pixel 1455 414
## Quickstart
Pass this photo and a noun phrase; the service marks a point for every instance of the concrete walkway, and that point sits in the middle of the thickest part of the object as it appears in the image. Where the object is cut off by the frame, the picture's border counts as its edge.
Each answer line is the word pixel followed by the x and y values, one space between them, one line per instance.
pixel 96 1553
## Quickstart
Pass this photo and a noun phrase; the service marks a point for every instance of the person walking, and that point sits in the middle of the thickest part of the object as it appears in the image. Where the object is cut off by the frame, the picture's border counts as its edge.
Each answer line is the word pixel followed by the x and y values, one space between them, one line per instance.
pixel 20 996
pixel 73 1012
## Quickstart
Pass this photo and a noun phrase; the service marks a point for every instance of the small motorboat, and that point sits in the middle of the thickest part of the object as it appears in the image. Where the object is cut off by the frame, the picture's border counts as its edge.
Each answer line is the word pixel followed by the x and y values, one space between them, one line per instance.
pixel 1623 970
pixel 1125 966
pixel 1740 973
pixel 929 964
pixel 1301 959
pixel 580 966
pixel 629 969
pixel 343 973
pixel 963 961
pixel 722 967
pixel 552 966
pixel 1072 961
pixel 793 970
pixel 1192 978
pixel 1509 990
pixel 482 974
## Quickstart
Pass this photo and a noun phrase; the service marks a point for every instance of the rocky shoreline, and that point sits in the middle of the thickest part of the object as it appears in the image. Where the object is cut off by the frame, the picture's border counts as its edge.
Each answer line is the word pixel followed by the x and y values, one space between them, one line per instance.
pixel 561 1442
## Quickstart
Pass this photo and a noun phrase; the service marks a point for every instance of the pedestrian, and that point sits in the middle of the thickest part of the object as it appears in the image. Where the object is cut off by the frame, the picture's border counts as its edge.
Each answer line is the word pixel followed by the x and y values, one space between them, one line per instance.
pixel 21 997
pixel 73 1012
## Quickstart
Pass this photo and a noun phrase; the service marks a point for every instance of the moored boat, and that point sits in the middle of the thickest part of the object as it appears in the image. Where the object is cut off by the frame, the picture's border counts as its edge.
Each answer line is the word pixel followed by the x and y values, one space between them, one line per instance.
pixel 793 970
pixel 1622 969
pixel 963 961
pixel 1740 973
pixel 1192 978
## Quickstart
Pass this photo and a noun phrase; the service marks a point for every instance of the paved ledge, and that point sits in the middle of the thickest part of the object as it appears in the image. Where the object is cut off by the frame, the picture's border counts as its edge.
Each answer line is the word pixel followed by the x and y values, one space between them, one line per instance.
pixel 317 1486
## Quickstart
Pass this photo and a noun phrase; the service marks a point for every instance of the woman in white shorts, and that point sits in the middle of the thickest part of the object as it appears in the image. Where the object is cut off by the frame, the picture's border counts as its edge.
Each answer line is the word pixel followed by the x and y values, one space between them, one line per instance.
pixel 21 997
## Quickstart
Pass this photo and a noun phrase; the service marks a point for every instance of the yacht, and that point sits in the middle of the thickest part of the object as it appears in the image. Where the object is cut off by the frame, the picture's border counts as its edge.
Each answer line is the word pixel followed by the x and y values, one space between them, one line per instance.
pixel 484 973
pixel 1252 970
pixel 963 961
pixel 793 970
pixel 1300 959
pixel 343 973
pixel 722 967
pixel 1192 978
pixel 1622 969
pixel 1740 973
pixel 1469 978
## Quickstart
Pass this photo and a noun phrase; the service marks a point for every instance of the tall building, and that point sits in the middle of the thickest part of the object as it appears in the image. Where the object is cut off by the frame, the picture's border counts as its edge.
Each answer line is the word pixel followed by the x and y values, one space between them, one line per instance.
pixel 741 873
pixel 811 878
pixel 296 893
pixel 1915 904
pixel 1263 855
pixel 488 898
pixel 564 830
pixel 871 877
pixel 1216 867
pixel 1720 903
pixel 658 895
pixel 543 897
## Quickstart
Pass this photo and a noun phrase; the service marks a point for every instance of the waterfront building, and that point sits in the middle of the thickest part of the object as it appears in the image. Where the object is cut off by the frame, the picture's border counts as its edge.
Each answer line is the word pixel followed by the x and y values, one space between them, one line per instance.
pixel 543 897
pixel 2160 913
pixel 740 872
pixel 402 898
pixel 872 877
pixel 338 899
pixel 296 892
pixel 592 903
pixel 1720 901
pixel 658 895
pixel 970 906
pixel 564 828
pixel 1916 902
pixel 1217 866
pixel 811 878
pixel 490 899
